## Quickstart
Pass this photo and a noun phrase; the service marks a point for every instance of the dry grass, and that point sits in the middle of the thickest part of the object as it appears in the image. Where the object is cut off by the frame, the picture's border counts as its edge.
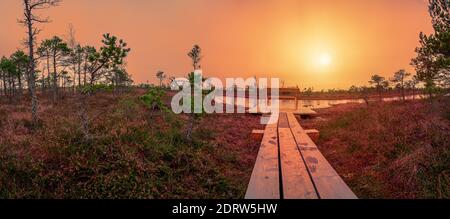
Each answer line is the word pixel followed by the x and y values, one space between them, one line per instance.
pixel 389 150
pixel 135 153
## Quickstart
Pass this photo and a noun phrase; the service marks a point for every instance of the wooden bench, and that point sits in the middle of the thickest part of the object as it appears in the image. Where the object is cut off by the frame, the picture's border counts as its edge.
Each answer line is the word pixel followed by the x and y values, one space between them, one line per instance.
pixel 290 166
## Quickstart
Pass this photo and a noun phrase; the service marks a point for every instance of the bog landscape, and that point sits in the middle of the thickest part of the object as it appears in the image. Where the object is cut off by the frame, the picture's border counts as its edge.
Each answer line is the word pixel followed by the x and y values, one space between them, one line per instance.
pixel 358 93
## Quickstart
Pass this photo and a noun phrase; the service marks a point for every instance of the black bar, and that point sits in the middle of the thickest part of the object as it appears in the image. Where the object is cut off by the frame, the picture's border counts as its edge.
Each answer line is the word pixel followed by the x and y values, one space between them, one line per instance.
pixel 166 208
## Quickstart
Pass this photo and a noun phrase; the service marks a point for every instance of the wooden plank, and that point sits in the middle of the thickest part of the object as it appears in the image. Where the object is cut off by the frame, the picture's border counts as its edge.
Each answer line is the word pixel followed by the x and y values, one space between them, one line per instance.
pixel 265 180
pixel 305 112
pixel 297 183
pixel 314 134
pixel 283 121
pixel 257 135
pixel 328 183
pixel 311 131
pixel 298 111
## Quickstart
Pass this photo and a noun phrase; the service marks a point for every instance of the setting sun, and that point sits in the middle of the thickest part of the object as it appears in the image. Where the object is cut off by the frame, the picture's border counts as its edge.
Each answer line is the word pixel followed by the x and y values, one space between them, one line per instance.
pixel 324 60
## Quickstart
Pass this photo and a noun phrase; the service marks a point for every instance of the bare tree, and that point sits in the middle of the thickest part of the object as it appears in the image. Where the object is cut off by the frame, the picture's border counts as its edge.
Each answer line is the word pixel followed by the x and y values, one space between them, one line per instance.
pixel 75 55
pixel 29 20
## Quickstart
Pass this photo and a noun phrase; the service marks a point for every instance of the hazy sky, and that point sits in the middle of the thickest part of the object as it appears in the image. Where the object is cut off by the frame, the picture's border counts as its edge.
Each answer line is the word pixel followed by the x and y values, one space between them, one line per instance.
pixel 324 44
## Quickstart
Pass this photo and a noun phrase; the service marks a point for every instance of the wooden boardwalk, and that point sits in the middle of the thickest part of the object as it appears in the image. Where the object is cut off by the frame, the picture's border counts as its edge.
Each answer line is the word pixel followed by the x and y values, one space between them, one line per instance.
pixel 290 166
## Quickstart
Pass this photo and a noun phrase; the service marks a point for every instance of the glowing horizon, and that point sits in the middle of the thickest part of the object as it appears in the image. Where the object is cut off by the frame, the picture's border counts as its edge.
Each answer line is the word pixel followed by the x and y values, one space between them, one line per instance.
pixel 326 44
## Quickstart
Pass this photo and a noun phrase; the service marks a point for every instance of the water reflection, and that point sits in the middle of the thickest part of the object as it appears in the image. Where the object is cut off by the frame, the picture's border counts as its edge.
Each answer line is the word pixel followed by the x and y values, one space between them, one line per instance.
pixel 320 104
pixel 317 104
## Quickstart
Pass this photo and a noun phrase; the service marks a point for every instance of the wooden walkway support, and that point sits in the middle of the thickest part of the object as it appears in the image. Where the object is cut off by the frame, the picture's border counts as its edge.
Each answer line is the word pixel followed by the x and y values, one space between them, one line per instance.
pixel 290 166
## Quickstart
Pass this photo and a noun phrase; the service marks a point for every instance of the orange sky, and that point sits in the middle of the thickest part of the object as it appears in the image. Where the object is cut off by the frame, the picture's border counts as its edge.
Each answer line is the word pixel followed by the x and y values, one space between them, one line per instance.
pixel 279 38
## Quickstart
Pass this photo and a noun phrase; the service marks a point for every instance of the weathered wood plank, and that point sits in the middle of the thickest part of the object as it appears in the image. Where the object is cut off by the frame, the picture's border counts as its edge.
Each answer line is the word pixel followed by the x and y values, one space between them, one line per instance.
pixel 265 180
pixel 257 135
pixel 297 183
pixel 328 183
pixel 314 134
pixel 305 112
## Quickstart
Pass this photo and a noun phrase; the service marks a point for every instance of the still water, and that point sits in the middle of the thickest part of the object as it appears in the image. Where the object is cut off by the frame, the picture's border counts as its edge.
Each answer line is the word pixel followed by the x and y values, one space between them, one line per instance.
pixel 318 104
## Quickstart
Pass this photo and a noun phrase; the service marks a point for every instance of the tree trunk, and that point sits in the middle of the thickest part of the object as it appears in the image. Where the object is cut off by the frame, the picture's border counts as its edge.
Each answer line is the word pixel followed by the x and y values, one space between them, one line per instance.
pixel 403 90
pixel 85 71
pixel 43 80
pixel 4 85
pixel 55 79
pixel 48 70
pixel 190 126
pixel 403 93
pixel 380 94
pixel 19 80
pixel 11 85
pixel 79 74
pixel 31 65
pixel 74 77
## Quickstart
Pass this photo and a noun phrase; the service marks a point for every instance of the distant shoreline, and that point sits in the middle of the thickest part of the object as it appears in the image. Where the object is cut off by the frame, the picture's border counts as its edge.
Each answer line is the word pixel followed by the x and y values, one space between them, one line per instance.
pixel 341 96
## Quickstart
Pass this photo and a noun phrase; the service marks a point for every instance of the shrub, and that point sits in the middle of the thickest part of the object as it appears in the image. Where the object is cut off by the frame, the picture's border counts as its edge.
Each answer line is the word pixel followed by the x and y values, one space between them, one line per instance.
pixel 153 99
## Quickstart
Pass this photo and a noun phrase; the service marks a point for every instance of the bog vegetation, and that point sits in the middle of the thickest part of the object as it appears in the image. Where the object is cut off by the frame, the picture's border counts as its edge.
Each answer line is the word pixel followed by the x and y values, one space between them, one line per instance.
pixel 390 150
pixel 73 124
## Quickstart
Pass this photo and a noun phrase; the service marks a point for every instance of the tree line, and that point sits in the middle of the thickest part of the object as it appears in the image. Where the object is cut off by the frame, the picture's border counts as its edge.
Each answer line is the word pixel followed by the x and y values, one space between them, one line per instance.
pixel 57 66
pixel 64 67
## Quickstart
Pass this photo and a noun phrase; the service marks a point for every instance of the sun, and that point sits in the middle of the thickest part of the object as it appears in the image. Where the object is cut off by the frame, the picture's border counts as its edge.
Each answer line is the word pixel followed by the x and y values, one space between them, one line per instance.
pixel 324 60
